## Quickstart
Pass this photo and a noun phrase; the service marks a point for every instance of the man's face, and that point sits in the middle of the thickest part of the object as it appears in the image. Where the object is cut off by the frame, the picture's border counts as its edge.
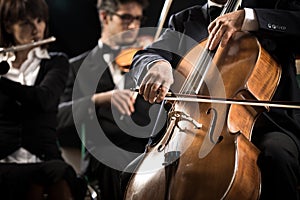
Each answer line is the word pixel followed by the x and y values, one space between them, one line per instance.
pixel 124 24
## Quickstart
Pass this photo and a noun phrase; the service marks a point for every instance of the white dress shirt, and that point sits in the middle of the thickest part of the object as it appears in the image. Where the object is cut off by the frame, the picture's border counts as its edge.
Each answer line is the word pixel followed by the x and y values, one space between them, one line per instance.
pixel 117 75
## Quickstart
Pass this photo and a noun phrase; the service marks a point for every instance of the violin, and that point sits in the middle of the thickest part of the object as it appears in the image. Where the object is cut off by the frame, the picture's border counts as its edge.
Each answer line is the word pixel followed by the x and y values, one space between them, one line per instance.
pixel 125 57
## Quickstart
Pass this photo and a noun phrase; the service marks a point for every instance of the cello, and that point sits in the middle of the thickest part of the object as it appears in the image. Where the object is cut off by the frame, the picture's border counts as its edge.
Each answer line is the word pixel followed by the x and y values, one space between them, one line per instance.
pixel 206 151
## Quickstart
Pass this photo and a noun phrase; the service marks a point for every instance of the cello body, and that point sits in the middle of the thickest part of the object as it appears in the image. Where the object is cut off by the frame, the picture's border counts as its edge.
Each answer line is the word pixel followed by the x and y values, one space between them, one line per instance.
pixel 206 151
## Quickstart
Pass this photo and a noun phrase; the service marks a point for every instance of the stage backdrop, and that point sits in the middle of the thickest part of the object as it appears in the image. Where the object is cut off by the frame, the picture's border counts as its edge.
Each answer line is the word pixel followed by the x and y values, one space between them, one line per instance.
pixel 76 26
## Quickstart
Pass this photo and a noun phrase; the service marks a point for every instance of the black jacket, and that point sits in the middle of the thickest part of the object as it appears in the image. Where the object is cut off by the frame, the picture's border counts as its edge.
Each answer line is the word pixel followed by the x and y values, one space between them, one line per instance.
pixel 103 130
pixel 28 113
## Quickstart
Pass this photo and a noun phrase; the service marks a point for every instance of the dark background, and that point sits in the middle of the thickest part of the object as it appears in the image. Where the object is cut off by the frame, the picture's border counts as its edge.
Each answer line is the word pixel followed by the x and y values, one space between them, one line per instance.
pixel 76 26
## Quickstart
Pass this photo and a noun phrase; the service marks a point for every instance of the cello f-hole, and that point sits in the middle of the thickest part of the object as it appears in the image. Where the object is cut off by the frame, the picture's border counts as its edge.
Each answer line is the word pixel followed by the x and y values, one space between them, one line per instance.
pixel 213 125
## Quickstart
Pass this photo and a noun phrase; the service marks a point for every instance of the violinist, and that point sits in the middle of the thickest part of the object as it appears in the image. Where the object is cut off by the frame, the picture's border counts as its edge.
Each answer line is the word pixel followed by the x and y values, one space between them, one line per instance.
pixel 276 132
pixel 111 100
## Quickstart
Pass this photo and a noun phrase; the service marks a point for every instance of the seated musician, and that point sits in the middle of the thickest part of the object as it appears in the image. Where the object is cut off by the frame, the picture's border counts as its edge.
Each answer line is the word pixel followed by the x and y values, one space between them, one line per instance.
pixel 274 23
pixel 98 105
pixel 31 165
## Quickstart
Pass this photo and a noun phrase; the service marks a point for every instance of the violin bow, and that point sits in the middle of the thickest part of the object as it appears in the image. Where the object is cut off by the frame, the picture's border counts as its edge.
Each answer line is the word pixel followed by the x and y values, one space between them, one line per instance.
pixel 162 18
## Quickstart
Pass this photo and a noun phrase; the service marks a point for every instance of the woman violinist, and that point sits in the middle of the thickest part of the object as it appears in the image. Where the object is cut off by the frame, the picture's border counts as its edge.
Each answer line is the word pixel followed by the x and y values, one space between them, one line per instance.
pixel 274 23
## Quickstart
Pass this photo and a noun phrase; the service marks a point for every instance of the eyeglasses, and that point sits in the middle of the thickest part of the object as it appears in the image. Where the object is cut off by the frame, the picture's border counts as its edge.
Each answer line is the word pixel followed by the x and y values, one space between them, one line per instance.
pixel 128 18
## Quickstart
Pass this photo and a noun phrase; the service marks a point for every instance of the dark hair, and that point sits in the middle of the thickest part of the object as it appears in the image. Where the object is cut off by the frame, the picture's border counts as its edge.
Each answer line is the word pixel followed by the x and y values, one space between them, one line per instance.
pixel 11 11
pixel 112 6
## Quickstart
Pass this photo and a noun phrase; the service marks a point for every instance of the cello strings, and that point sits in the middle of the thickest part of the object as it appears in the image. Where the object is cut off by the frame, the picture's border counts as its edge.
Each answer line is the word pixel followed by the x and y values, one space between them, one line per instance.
pixel 196 77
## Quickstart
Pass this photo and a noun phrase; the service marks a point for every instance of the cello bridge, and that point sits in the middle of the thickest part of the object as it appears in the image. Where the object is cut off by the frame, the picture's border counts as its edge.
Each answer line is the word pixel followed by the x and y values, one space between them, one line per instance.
pixel 181 116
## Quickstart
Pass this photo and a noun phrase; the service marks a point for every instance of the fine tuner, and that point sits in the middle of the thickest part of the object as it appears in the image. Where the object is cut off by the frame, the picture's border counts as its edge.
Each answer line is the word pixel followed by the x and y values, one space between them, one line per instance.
pixel 8 52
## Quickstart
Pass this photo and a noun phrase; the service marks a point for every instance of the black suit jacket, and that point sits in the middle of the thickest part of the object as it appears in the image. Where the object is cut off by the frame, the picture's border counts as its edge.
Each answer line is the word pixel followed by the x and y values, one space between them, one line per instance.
pixel 279 35
pixel 28 113
pixel 103 128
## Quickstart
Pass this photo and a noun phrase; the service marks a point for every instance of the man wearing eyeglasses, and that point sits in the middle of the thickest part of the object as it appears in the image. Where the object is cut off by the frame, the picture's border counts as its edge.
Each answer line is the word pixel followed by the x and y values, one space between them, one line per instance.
pixel 109 143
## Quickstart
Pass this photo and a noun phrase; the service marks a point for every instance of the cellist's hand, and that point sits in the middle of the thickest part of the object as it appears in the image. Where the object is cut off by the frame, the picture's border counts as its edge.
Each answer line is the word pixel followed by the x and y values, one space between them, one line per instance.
pixel 156 83
pixel 223 27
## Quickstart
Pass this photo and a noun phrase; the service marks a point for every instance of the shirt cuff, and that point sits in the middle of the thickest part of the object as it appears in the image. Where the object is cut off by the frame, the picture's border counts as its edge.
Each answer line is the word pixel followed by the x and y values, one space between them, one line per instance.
pixel 250 22
pixel 149 65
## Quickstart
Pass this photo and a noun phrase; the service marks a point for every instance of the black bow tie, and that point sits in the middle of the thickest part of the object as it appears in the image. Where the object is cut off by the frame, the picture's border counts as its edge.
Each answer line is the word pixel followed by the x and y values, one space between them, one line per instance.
pixel 106 49
pixel 214 12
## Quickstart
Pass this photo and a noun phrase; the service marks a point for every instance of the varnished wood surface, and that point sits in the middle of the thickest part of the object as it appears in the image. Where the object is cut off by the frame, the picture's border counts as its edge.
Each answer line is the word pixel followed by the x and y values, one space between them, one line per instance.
pixel 216 161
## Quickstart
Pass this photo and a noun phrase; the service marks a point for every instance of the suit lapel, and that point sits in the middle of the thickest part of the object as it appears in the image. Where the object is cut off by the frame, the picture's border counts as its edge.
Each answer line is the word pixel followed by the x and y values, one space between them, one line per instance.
pixel 196 27
pixel 42 72
pixel 90 71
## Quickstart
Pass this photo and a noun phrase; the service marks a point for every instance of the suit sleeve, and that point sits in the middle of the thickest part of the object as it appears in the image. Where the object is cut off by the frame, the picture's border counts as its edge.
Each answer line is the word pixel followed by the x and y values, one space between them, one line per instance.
pixel 165 48
pixel 73 104
pixel 281 23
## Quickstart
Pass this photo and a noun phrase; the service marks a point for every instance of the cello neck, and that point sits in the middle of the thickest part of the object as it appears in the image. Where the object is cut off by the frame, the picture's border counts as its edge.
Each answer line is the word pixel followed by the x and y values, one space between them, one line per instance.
pixel 231 6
